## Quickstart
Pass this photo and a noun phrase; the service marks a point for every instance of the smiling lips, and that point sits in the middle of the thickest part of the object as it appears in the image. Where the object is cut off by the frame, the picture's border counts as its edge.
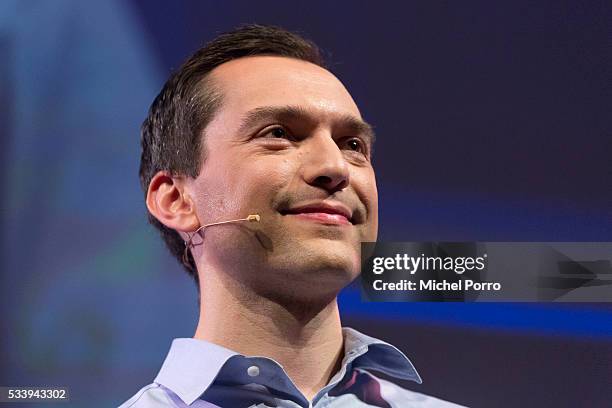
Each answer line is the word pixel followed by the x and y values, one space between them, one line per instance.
pixel 326 213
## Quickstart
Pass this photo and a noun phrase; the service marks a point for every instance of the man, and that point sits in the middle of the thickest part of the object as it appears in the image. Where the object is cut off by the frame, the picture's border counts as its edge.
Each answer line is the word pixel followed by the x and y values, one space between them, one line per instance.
pixel 254 125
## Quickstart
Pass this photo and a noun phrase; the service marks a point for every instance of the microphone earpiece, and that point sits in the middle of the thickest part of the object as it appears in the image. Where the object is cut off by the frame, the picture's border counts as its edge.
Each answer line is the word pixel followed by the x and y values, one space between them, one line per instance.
pixel 249 218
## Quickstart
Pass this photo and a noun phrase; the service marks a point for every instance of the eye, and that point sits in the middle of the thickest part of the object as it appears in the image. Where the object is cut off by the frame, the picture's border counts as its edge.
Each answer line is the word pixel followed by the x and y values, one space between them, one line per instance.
pixel 276 132
pixel 356 145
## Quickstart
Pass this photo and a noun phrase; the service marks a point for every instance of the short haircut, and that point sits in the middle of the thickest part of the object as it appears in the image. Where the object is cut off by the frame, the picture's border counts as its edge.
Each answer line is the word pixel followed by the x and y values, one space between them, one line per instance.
pixel 172 134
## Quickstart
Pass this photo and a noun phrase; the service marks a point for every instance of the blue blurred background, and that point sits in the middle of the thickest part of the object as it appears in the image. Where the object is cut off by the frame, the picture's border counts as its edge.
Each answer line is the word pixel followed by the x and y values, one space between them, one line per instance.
pixel 493 121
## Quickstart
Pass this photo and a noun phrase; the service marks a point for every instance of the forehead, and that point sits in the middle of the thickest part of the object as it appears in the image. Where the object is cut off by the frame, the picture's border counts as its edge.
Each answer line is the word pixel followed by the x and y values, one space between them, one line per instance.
pixel 251 82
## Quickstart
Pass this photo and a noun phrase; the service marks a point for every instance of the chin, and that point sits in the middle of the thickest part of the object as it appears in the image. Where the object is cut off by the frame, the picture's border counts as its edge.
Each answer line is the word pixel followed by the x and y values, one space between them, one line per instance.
pixel 333 265
pixel 308 276
pixel 315 286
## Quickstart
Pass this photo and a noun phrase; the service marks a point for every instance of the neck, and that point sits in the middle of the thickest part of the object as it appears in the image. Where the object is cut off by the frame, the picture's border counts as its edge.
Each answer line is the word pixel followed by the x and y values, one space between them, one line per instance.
pixel 304 337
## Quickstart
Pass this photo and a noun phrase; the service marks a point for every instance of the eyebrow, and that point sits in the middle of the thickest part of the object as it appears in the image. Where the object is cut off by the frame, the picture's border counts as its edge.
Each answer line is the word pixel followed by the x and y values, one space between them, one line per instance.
pixel 294 113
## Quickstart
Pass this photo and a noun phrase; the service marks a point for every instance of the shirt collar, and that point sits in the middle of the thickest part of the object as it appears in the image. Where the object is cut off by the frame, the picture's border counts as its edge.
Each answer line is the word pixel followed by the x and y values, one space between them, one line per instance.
pixel 192 365
pixel 373 354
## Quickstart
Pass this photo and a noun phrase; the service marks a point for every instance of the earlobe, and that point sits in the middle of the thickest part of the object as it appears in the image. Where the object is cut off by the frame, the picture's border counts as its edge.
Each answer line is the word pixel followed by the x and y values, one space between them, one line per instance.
pixel 169 202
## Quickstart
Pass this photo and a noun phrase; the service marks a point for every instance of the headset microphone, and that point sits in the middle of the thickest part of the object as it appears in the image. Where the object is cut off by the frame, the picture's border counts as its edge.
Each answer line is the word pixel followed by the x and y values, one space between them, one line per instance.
pixel 249 218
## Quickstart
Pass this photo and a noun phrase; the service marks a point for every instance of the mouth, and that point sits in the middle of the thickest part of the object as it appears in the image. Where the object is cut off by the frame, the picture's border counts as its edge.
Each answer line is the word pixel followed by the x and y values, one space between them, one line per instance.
pixel 325 213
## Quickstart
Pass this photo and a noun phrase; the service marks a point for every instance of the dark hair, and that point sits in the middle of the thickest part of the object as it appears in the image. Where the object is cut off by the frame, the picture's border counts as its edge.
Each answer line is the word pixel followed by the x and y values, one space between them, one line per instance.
pixel 171 135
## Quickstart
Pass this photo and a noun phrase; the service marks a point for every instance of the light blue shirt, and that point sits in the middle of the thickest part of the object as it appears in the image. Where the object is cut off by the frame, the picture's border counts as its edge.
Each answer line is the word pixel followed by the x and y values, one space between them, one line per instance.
pixel 200 374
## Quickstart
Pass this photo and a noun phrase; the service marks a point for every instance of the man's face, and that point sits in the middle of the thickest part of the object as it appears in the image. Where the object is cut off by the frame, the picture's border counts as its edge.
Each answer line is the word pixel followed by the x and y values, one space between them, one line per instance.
pixel 288 143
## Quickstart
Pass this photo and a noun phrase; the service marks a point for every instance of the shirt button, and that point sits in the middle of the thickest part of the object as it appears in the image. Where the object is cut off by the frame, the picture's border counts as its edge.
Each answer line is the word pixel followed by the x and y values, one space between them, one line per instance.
pixel 253 371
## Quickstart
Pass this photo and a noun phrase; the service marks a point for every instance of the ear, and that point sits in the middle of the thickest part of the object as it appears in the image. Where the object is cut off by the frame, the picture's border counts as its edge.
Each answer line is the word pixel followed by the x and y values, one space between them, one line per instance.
pixel 169 202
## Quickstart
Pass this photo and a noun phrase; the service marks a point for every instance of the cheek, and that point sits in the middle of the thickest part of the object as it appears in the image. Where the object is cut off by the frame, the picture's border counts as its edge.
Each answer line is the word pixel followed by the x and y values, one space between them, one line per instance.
pixel 368 193
pixel 240 188
pixel 216 190
pixel 215 201
pixel 265 179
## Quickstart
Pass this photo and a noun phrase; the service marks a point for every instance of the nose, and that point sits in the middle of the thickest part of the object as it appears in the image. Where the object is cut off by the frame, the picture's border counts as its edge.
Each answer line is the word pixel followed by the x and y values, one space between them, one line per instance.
pixel 324 164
